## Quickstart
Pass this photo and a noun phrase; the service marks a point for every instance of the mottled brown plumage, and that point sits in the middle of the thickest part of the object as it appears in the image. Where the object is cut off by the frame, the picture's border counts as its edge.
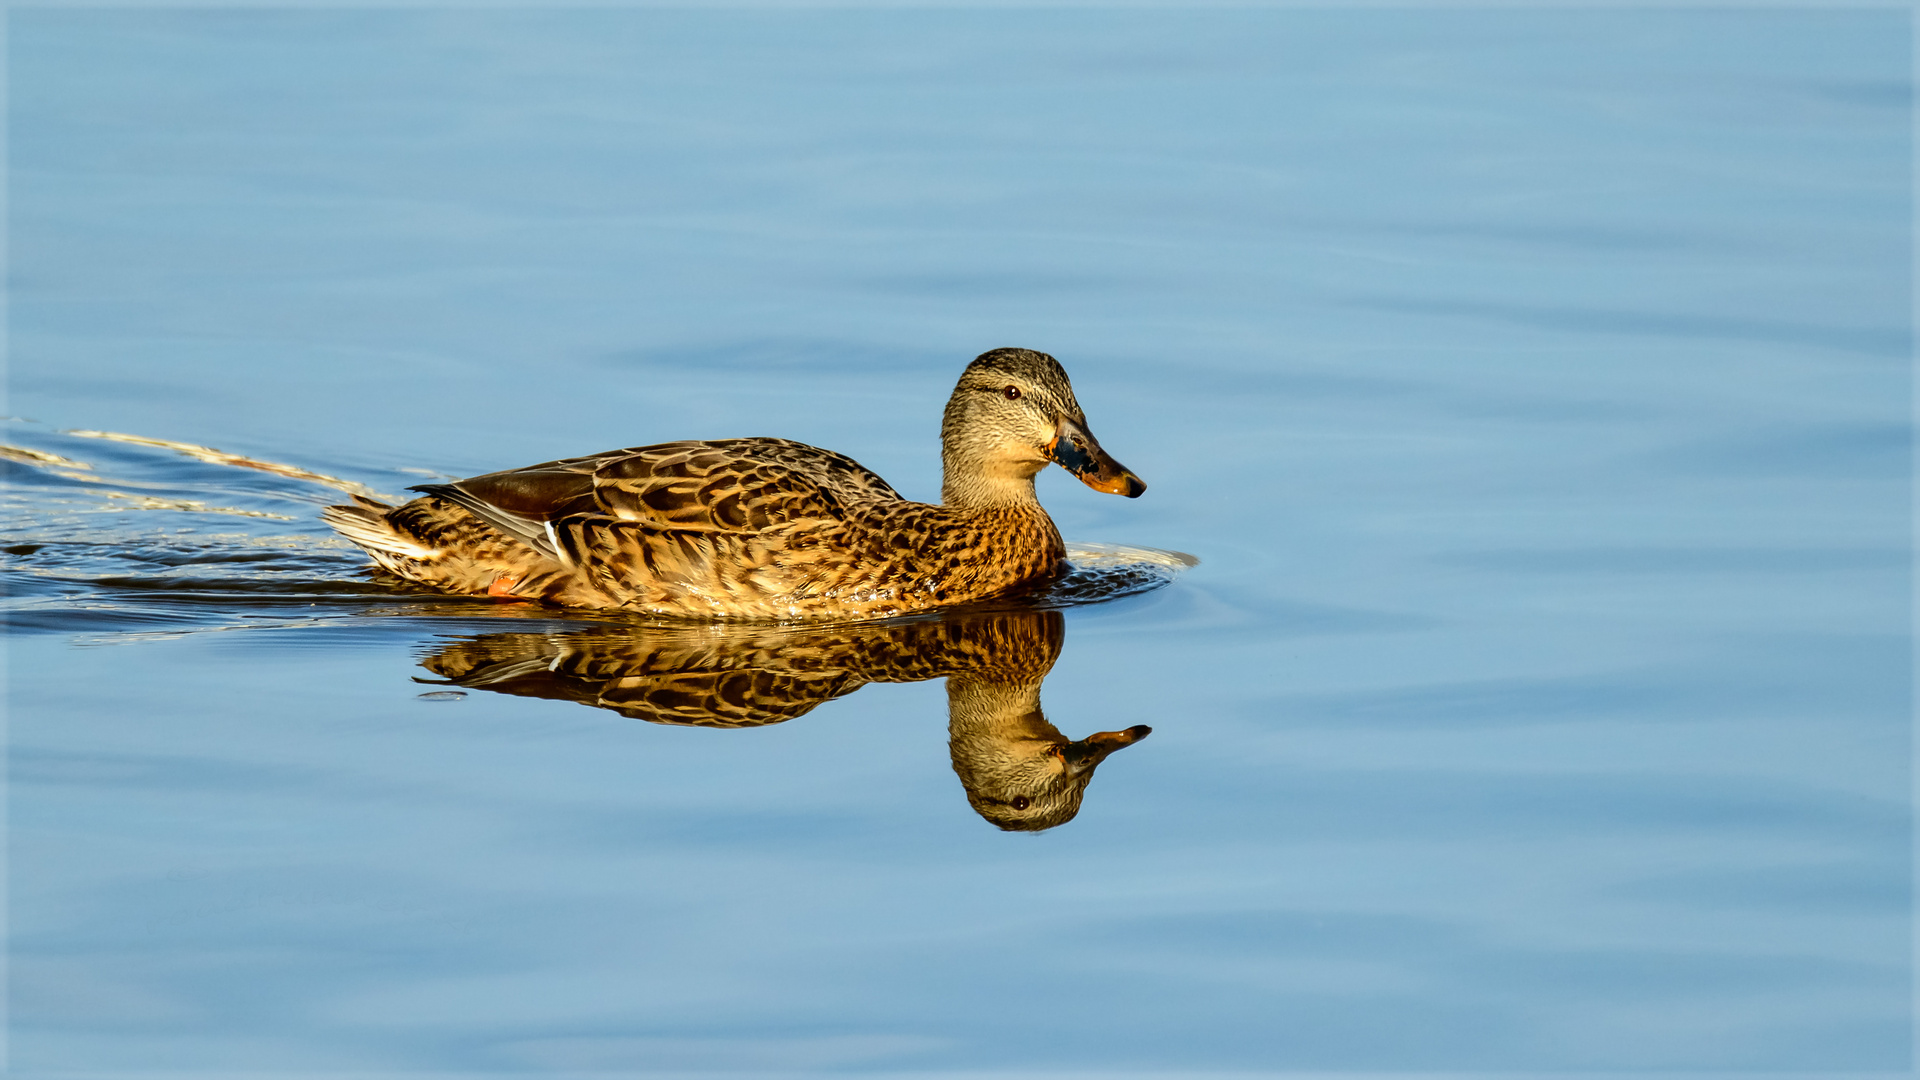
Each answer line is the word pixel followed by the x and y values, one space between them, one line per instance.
pixel 762 528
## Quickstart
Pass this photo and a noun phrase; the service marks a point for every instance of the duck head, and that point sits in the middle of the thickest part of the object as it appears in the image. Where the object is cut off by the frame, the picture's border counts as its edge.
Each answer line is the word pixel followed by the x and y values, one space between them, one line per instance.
pixel 1012 414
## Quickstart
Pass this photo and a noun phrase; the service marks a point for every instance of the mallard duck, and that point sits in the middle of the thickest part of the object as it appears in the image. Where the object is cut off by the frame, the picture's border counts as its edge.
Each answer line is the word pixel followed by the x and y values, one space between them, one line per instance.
pixel 762 528
pixel 1019 771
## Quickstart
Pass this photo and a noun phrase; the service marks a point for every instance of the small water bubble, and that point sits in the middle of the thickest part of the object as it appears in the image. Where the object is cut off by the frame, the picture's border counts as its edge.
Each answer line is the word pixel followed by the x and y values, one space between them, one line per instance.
pixel 442 695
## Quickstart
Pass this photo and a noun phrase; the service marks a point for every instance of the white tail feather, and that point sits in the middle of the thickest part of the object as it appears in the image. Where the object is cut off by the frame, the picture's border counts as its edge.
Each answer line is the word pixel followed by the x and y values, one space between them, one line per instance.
pixel 370 530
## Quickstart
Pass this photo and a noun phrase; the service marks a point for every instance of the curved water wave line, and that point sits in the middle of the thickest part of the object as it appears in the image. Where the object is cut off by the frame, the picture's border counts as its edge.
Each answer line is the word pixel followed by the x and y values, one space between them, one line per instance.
pixel 42 458
pixel 191 506
pixel 221 457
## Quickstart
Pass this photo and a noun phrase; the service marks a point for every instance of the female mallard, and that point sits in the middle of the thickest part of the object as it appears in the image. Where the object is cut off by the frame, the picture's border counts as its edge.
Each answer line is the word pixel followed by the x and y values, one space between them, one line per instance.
pixel 762 528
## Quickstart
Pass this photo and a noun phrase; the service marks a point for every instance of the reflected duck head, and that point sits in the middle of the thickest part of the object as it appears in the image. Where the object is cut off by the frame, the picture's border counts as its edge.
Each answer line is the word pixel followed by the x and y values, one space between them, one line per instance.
pixel 1019 771
pixel 1012 414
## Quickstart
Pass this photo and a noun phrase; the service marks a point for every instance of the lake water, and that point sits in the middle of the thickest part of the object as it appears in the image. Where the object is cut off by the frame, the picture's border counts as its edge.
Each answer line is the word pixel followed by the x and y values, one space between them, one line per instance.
pixel 1533 387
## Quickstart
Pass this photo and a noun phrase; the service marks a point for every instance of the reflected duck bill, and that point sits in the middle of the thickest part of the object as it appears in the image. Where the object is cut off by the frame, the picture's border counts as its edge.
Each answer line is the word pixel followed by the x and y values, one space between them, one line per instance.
pixel 1083 755
pixel 1076 450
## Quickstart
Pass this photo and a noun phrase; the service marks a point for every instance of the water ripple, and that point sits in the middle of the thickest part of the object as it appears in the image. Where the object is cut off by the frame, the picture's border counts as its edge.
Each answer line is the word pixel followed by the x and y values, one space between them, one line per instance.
pixel 146 540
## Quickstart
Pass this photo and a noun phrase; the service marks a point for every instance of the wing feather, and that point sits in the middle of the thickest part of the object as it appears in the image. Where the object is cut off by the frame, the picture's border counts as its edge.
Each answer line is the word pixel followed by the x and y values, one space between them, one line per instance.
pixel 533 532
pixel 559 509
pixel 732 486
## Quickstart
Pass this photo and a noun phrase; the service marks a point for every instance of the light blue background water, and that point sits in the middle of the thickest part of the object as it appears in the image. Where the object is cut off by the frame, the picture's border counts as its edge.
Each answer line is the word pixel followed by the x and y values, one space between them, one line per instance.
pixel 1534 384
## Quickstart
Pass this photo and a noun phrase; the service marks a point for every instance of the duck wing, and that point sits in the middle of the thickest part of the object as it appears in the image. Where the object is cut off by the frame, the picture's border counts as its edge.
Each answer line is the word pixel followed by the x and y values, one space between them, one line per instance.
pixel 524 503
pixel 736 485
pixel 732 485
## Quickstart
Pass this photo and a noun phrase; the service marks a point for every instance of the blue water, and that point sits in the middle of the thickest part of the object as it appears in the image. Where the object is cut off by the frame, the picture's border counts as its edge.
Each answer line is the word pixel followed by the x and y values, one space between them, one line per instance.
pixel 1534 387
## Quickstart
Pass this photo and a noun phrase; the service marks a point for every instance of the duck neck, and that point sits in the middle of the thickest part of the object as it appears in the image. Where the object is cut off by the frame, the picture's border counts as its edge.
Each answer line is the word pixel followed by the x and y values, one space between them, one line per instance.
pixel 987 485
pixel 971 493
pixel 997 715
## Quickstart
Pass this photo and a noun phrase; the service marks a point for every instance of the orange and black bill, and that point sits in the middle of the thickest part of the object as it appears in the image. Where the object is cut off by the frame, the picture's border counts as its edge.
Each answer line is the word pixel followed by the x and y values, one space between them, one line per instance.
pixel 1076 450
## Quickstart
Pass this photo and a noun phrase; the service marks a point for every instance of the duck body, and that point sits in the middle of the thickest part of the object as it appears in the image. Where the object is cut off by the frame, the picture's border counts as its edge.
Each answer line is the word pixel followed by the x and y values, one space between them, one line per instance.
pixel 738 528
pixel 763 528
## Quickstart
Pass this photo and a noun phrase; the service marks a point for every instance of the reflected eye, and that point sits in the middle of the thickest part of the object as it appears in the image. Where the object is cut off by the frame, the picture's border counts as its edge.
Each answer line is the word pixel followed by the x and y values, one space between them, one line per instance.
pixel 1020 802
pixel 1012 392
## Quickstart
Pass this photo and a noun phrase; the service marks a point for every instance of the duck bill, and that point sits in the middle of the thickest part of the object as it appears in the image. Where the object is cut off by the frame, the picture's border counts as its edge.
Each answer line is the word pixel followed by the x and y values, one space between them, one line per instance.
pixel 1082 756
pixel 1076 450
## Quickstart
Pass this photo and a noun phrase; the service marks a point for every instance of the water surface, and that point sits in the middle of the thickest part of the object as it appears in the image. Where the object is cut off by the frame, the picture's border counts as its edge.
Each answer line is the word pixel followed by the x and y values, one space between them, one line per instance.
pixel 1533 387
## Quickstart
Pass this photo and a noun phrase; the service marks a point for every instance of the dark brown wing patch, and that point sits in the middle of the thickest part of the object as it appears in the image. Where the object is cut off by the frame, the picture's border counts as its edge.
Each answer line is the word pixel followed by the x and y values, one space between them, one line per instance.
pixel 539 492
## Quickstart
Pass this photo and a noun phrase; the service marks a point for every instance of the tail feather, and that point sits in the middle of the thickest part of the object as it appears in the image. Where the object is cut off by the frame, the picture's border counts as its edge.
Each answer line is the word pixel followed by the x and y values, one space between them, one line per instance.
pixel 365 523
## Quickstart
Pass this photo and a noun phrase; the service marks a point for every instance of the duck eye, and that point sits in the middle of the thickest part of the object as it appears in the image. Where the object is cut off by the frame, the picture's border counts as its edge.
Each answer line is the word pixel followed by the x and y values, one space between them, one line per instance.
pixel 1020 802
pixel 1012 392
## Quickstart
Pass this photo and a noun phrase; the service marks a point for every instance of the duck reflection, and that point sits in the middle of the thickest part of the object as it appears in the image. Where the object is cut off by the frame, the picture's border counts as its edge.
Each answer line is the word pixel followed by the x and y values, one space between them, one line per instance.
pixel 1019 771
